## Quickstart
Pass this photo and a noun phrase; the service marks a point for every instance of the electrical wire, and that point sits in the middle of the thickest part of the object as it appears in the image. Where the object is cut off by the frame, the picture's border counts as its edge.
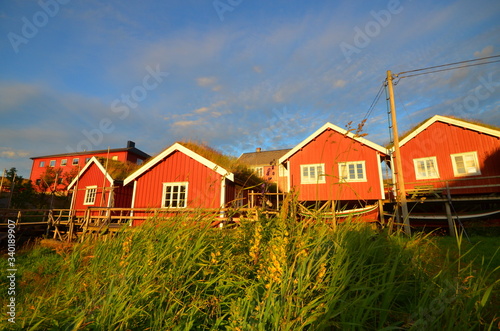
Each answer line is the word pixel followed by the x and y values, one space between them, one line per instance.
pixel 450 64
pixel 374 102
pixel 447 69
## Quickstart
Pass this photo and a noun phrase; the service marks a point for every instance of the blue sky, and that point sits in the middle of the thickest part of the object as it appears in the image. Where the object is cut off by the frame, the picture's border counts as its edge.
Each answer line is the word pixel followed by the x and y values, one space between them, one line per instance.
pixel 236 74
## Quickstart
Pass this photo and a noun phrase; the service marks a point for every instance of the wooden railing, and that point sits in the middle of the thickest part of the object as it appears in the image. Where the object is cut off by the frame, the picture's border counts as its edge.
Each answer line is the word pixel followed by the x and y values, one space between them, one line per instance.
pixel 442 187
pixel 67 224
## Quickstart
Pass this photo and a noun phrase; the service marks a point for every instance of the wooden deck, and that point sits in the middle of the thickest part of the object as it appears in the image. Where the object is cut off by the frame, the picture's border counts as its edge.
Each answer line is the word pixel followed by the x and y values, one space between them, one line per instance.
pixel 69 225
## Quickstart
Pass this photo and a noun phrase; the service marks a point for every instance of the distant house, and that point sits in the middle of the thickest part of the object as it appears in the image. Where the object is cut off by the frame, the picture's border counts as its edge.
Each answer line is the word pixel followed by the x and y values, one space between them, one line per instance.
pixel 265 165
pixel 100 185
pixel 180 178
pixel 450 152
pixel 69 164
pixel 334 164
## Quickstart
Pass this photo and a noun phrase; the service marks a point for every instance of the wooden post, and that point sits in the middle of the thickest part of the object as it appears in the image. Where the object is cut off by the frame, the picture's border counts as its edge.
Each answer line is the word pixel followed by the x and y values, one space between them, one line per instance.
pixel 451 222
pixel 334 215
pixel 1 184
pixel 447 205
pixel 381 212
pixel 398 166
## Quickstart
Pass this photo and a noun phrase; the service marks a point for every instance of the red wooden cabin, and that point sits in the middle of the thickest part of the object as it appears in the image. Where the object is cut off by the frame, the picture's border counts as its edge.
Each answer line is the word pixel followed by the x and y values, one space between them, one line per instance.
pixel 450 152
pixel 100 184
pixel 178 179
pixel 334 164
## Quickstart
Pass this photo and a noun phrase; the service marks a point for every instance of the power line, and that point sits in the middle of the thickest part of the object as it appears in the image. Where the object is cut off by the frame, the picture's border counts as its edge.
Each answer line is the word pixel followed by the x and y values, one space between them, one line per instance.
pixel 451 64
pixel 374 102
pixel 441 70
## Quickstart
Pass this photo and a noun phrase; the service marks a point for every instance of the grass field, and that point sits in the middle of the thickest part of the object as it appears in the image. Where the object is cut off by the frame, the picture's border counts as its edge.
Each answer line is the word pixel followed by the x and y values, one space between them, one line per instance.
pixel 273 274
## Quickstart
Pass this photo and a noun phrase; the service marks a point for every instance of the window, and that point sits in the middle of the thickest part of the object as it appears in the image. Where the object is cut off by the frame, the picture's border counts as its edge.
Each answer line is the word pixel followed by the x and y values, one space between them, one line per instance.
pixel 465 164
pixel 87 159
pixel 90 193
pixel 52 163
pixel 42 164
pixel 312 173
pixel 426 168
pixel 64 162
pixel 140 162
pixel 76 161
pixel 114 157
pixel 175 195
pixel 283 172
pixel 352 171
pixel 259 171
pixel 38 181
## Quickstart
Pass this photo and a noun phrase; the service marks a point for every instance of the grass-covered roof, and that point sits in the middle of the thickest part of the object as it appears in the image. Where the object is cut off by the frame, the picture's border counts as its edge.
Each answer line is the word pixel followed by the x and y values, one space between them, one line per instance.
pixel 118 170
pixel 242 173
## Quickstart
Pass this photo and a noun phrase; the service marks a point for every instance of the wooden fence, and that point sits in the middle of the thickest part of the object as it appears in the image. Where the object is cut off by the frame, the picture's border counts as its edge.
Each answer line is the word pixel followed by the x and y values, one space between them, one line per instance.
pixel 70 224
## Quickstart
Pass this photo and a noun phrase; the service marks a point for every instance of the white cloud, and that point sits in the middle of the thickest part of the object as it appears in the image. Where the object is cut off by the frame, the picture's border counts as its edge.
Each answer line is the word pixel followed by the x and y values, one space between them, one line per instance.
pixel 339 83
pixel 206 81
pixel 487 51
pixel 10 153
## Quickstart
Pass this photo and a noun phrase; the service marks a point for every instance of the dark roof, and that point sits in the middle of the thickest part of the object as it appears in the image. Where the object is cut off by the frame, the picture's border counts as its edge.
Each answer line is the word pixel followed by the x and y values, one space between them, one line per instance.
pixel 131 150
pixel 263 157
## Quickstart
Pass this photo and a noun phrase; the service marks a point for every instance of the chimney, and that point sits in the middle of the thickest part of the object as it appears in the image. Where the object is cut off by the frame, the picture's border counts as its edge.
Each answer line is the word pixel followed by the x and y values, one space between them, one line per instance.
pixel 130 144
pixel 258 149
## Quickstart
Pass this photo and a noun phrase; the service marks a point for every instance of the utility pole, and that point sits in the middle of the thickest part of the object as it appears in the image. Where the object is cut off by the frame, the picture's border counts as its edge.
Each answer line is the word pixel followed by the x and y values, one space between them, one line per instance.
pixel 1 184
pixel 398 166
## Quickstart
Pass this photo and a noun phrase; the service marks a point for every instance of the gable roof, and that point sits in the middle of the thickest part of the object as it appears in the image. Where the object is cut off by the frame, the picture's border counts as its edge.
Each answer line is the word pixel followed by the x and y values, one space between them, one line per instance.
pixel 454 121
pixel 333 127
pixel 263 157
pixel 95 161
pixel 178 147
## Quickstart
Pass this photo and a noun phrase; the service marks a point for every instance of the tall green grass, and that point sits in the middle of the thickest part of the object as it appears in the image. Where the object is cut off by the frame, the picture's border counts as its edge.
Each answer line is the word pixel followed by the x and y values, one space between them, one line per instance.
pixel 271 274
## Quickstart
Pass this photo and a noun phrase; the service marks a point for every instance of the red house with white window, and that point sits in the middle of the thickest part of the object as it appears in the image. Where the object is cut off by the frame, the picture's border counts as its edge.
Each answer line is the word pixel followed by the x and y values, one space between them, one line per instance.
pixel 451 153
pixel 334 164
pixel 69 164
pixel 100 185
pixel 179 178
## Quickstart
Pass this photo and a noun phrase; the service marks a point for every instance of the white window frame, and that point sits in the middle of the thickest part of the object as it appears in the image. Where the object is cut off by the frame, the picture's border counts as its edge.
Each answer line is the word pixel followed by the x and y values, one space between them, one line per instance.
pixel 283 172
pixel 64 162
pixel 477 169
pixel 319 173
pixel 345 165
pixel 114 158
pixel 52 163
pixel 90 195
pixel 42 164
pixel 77 161
pixel 426 159
pixel 177 200
pixel 259 171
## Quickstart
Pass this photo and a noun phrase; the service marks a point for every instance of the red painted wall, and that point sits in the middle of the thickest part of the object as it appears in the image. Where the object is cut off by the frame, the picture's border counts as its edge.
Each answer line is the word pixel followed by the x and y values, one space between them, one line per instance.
pixel 441 140
pixel 331 147
pixel 203 188
pixel 37 170
pixel 93 176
